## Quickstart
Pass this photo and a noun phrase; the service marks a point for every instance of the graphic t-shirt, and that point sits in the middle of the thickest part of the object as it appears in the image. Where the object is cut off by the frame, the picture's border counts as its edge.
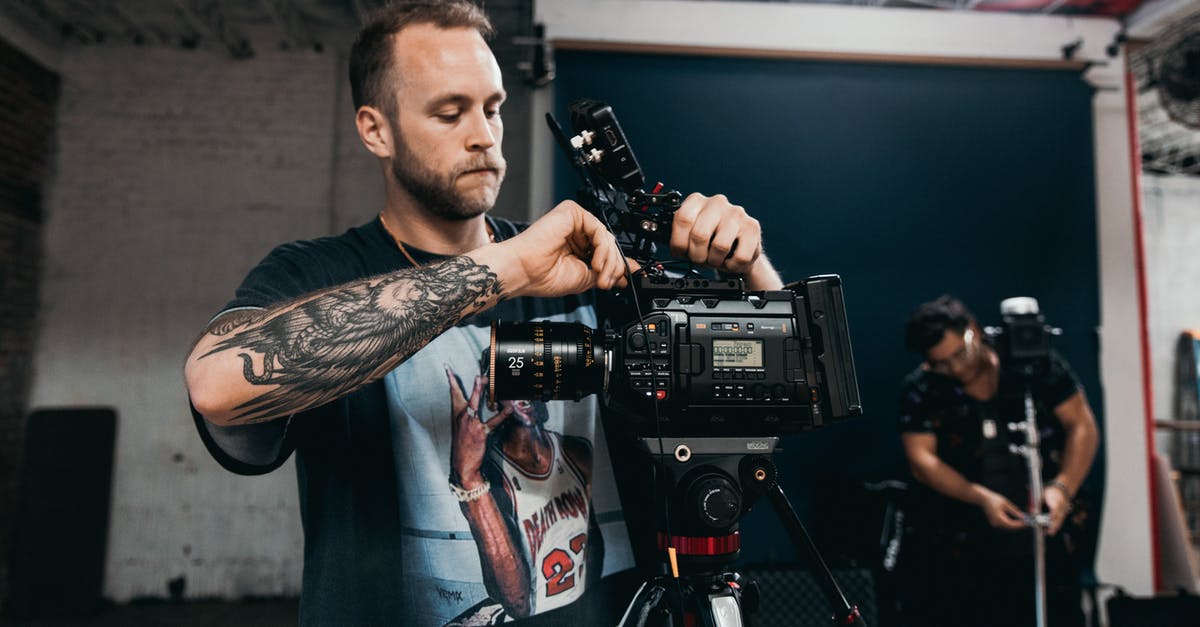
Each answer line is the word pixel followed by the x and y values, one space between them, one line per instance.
pixel 386 541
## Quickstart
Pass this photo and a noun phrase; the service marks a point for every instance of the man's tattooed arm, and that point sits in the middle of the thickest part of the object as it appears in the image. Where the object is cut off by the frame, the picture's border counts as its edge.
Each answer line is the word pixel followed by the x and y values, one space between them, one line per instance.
pixel 320 347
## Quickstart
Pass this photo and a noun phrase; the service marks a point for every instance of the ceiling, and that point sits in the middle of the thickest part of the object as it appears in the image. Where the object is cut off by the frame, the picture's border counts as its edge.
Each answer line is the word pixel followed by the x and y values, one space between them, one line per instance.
pixel 239 28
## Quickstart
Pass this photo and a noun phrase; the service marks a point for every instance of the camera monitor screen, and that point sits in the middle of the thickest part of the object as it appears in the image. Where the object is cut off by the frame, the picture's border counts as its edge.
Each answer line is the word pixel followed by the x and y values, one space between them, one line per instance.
pixel 737 353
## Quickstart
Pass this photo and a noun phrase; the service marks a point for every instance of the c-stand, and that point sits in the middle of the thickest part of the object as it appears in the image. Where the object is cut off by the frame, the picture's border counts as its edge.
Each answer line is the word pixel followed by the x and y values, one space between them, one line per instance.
pixel 711 483
pixel 1024 345
pixel 1036 519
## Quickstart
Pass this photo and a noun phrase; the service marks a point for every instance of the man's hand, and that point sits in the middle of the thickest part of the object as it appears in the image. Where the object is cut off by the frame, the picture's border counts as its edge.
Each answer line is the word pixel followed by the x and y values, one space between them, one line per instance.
pixel 469 434
pixel 566 251
pixel 713 232
pixel 1059 504
pixel 1000 512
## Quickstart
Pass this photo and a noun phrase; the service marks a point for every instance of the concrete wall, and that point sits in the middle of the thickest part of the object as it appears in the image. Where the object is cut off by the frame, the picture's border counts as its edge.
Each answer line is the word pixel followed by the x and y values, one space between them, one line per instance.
pixel 175 172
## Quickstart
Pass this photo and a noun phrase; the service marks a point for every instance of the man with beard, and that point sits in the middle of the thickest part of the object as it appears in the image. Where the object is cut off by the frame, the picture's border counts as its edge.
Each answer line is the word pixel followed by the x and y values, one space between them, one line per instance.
pixel 337 348
pixel 954 414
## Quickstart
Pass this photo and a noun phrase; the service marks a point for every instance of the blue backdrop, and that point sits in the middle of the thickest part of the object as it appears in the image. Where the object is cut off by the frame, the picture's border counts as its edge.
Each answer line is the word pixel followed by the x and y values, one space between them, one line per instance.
pixel 909 181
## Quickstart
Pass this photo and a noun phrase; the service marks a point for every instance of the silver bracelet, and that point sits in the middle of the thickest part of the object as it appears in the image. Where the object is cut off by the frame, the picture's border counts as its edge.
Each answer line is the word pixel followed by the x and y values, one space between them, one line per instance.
pixel 1066 490
pixel 466 496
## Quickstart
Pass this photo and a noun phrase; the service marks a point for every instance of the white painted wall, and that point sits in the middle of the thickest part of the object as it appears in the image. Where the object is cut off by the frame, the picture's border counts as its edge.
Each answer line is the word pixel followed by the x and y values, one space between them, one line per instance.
pixel 175 172
pixel 1126 538
pixel 853 32
pixel 1171 206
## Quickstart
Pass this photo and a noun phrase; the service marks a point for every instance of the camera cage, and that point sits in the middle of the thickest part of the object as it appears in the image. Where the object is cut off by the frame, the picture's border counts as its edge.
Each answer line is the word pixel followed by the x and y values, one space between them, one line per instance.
pixel 796 373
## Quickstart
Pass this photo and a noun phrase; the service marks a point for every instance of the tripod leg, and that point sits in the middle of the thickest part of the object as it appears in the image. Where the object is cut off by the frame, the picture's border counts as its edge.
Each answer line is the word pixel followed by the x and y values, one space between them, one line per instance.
pixel 644 602
pixel 843 612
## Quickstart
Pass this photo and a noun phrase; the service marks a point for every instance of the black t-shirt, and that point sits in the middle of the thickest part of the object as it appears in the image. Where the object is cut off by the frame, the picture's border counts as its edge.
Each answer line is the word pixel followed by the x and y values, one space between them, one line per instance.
pixel 385 541
pixel 973 436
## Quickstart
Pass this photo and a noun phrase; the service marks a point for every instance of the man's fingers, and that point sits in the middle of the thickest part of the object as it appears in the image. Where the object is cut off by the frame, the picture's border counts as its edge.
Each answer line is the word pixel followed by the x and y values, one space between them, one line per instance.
pixel 721 252
pixel 748 248
pixel 683 222
pixel 700 240
pixel 606 262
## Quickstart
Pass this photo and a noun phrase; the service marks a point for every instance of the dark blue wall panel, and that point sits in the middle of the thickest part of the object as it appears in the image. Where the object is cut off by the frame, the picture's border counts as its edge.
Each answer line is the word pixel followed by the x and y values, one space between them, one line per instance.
pixel 909 181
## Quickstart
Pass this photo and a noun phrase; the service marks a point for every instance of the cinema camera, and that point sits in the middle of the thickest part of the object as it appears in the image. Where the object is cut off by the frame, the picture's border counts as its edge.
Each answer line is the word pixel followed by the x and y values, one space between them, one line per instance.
pixel 705 356
pixel 707 374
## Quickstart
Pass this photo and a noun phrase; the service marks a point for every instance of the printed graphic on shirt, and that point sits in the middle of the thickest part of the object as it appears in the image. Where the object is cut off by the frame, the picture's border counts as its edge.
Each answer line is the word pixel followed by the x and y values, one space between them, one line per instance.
pixel 545 524
pixel 550 508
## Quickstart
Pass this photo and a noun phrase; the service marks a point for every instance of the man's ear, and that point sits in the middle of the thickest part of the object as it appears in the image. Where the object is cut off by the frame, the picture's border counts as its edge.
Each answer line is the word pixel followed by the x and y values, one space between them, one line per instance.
pixel 375 131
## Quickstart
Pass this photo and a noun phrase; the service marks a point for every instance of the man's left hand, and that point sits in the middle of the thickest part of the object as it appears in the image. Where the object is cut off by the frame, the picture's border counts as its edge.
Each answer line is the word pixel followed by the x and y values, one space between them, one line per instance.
pixel 1059 504
pixel 709 230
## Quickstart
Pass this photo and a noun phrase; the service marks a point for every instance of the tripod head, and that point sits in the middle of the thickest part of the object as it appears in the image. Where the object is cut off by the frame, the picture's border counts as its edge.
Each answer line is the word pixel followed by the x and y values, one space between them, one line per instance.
pixel 709 483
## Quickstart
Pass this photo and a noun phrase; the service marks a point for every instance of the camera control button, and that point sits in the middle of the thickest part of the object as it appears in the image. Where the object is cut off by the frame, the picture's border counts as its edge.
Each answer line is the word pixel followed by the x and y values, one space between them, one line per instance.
pixel 710 302
pixel 637 341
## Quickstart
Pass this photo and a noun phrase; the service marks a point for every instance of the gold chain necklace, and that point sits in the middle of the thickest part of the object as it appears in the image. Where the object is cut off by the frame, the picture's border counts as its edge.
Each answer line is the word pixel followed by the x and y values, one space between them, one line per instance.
pixel 404 249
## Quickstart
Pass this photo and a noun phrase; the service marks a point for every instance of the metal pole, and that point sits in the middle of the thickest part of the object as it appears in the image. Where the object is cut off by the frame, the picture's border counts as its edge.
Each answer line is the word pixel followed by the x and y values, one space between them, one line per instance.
pixel 1033 457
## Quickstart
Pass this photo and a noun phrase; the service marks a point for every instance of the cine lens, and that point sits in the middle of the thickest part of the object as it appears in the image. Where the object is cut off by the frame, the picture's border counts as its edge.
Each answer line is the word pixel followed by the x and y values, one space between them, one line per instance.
pixel 544 361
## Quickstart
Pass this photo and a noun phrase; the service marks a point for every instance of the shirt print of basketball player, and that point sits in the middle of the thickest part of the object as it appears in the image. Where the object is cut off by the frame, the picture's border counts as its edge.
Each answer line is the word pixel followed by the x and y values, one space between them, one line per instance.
pixel 526 494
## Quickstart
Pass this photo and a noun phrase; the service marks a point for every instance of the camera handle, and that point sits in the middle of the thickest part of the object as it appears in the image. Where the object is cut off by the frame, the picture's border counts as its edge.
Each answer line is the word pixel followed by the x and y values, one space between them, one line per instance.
pixel 1036 519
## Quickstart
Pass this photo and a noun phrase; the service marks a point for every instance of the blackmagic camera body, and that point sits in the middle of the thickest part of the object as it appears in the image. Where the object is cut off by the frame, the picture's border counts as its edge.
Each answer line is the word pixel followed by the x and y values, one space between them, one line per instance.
pixel 706 357
pixel 680 356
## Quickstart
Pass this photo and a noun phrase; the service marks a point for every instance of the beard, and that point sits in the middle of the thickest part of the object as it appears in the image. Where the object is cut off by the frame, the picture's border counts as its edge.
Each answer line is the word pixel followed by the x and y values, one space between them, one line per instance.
pixel 438 193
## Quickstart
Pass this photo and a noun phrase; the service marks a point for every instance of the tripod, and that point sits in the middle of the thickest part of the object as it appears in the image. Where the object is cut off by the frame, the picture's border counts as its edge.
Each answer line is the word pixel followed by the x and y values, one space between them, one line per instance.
pixel 706 479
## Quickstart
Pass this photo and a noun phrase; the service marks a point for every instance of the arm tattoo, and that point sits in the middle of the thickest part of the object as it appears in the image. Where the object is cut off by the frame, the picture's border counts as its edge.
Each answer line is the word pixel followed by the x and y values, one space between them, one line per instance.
pixel 321 348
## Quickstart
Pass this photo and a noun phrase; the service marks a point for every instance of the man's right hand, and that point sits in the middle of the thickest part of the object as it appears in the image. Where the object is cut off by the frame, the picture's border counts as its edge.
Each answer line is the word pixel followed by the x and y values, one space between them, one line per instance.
pixel 566 251
pixel 1001 512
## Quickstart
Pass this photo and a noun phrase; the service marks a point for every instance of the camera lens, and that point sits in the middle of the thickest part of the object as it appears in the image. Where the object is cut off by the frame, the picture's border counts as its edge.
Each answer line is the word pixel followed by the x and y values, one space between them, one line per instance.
pixel 544 361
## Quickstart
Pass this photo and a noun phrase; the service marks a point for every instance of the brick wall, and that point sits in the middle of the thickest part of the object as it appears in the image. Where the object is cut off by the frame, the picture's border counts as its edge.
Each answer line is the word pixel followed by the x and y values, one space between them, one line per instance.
pixel 27 99
pixel 175 172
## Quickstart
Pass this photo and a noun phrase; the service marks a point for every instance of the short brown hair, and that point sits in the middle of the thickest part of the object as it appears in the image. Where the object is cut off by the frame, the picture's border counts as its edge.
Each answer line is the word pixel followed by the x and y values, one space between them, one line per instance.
pixel 371 55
